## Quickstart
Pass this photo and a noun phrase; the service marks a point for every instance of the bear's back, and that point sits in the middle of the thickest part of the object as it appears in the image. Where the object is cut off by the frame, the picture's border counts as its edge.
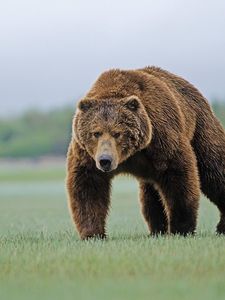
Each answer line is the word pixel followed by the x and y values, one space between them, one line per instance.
pixel 181 86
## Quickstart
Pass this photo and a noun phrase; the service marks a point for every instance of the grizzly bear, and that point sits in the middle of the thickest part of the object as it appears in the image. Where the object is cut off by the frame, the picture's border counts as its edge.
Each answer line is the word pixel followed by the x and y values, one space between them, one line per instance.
pixel 157 127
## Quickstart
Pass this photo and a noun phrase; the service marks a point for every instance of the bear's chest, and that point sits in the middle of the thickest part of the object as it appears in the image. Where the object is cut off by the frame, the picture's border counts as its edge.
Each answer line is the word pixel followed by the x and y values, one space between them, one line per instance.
pixel 145 165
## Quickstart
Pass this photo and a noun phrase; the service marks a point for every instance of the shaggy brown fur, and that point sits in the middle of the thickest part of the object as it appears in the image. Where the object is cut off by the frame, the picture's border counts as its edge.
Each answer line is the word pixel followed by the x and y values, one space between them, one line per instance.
pixel 158 127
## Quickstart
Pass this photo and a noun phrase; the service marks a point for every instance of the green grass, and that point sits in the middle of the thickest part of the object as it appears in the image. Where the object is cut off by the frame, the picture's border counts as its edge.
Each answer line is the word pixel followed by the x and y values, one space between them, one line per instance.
pixel 41 256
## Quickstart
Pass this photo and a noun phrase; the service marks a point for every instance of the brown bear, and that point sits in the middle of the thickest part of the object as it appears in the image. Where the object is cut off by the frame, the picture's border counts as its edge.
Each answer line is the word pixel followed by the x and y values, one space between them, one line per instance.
pixel 158 127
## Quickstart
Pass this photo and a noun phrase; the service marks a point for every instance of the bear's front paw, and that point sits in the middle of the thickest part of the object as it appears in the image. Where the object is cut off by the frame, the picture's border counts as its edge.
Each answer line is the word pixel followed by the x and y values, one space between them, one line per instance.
pixel 92 235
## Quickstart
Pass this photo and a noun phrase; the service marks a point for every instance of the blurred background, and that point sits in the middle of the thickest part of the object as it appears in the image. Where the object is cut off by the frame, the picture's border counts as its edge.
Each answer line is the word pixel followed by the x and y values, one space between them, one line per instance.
pixel 52 51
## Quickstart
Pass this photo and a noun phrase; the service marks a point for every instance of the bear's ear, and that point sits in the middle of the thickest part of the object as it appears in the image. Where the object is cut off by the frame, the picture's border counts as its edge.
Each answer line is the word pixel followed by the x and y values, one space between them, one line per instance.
pixel 85 104
pixel 132 104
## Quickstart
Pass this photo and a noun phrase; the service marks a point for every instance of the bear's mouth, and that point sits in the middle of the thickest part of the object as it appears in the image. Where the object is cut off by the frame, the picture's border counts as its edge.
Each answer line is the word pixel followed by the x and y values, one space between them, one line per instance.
pixel 105 169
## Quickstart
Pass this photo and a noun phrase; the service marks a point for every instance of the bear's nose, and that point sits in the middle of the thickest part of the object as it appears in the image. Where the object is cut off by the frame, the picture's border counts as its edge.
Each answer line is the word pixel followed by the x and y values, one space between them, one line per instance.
pixel 105 162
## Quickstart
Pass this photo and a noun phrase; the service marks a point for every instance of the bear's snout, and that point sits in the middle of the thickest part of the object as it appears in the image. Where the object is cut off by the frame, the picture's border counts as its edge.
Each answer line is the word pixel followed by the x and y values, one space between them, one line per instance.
pixel 106 156
pixel 105 162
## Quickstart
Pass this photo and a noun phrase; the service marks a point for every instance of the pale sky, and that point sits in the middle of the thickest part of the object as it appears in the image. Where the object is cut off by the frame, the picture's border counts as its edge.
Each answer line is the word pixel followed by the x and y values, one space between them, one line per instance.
pixel 52 51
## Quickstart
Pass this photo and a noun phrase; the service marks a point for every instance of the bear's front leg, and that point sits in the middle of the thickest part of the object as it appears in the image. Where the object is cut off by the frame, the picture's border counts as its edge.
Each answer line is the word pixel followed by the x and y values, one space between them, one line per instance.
pixel 181 187
pixel 89 194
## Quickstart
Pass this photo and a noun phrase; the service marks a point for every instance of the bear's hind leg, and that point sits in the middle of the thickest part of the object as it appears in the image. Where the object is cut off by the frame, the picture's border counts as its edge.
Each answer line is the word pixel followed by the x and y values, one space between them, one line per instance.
pixel 211 164
pixel 180 185
pixel 153 209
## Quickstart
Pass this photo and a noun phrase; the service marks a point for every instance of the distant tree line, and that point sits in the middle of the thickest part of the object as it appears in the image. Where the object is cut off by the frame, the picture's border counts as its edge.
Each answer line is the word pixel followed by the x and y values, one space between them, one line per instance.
pixel 37 133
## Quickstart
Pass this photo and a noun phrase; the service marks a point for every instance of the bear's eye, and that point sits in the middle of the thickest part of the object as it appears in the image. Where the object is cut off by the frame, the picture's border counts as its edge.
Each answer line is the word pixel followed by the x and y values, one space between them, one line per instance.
pixel 133 104
pixel 116 135
pixel 97 134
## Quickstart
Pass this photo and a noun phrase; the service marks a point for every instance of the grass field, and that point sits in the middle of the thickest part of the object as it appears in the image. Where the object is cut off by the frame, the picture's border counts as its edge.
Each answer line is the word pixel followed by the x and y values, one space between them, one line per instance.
pixel 41 256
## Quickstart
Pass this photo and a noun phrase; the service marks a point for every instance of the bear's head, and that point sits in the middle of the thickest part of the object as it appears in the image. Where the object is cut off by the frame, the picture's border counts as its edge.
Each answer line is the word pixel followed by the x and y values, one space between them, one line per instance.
pixel 111 123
